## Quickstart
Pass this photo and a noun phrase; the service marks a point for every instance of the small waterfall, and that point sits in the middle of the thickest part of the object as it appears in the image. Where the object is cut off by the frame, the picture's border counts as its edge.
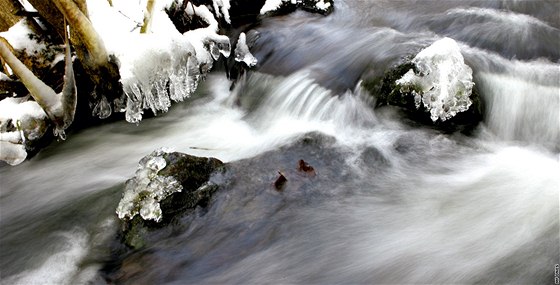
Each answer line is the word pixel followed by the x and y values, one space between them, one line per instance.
pixel 521 98
pixel 298 97
pixel 522 110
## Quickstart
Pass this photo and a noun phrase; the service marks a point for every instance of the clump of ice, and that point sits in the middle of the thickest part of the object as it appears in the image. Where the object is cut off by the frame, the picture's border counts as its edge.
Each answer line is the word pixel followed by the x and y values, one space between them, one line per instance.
pixel 443 82
pixel 147 189
pixel 322 5
pixel 242 53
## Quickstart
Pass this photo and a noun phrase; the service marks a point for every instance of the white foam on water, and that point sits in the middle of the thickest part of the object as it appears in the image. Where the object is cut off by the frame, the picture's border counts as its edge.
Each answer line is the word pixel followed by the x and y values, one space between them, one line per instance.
pixel 62 264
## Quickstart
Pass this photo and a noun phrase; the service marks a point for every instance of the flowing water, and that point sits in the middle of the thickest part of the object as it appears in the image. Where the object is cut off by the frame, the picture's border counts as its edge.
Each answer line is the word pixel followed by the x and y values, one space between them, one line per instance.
pixel 393 202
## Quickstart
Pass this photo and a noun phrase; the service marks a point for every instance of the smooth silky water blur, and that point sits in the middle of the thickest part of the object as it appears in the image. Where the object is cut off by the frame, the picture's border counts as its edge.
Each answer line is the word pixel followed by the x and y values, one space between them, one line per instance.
pixel 438 209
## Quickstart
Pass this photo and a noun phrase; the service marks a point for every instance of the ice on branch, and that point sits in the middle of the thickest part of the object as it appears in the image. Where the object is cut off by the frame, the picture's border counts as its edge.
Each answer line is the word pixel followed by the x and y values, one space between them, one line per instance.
pixel 147 189
pixel 206 41
pixel 165 65
pixel 442 83
pixel 160 73
pixel 242 53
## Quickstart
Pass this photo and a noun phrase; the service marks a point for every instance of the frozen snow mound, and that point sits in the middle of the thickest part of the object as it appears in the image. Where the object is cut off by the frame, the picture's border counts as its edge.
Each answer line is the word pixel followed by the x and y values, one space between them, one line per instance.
pixel 242 53
pixel 272 7
pixel 21 122
pixel 147 189
pixel 442 83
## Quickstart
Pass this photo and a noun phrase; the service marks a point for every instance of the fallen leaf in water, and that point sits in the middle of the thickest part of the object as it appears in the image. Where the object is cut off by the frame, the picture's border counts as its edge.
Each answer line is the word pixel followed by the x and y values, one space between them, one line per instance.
pixel 280 181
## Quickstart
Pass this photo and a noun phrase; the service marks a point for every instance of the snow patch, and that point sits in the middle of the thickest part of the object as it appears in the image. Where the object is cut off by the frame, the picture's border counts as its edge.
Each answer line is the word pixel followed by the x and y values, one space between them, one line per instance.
pixel 19 37
pixel 12 153
pixel 322 5
pixel 16 109
pixel 270 5
pixel 15 112
pixel 443 83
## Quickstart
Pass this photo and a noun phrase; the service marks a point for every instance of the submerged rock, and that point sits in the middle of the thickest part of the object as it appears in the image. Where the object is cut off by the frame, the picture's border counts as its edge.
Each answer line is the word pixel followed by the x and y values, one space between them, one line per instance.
pixel 166 183
pixel 435 87
pixel 246 215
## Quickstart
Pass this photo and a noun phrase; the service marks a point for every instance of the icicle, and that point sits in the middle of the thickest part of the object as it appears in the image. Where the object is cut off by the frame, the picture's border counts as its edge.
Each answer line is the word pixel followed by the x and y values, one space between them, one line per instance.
pixel 103 108
pixel 134 105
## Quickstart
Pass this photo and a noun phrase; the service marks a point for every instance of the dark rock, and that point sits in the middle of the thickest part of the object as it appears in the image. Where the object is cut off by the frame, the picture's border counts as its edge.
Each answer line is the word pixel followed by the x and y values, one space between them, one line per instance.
pixel 245 12
pixel 193 173
pixel 182 21
pixel 311 6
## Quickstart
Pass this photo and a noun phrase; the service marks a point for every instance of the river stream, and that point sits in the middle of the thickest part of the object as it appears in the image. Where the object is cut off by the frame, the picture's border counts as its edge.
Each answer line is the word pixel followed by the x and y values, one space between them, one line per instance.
pixel 392 201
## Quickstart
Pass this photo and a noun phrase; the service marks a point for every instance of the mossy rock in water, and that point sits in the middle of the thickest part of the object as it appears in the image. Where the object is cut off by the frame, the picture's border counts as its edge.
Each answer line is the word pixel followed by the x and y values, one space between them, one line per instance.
pixel 388 92
pixel 194 175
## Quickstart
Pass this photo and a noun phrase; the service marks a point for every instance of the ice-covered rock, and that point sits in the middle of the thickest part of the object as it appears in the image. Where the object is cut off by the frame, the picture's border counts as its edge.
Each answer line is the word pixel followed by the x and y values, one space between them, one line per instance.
pixel 160 175
pixel 165 184
pixel 442 82
pixel 147 189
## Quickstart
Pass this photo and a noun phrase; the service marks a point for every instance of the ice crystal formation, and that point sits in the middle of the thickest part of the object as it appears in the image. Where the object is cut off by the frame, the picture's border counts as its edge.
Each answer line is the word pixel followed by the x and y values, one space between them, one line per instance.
pixel 169 68
pixel 147 189
pixel 442 83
